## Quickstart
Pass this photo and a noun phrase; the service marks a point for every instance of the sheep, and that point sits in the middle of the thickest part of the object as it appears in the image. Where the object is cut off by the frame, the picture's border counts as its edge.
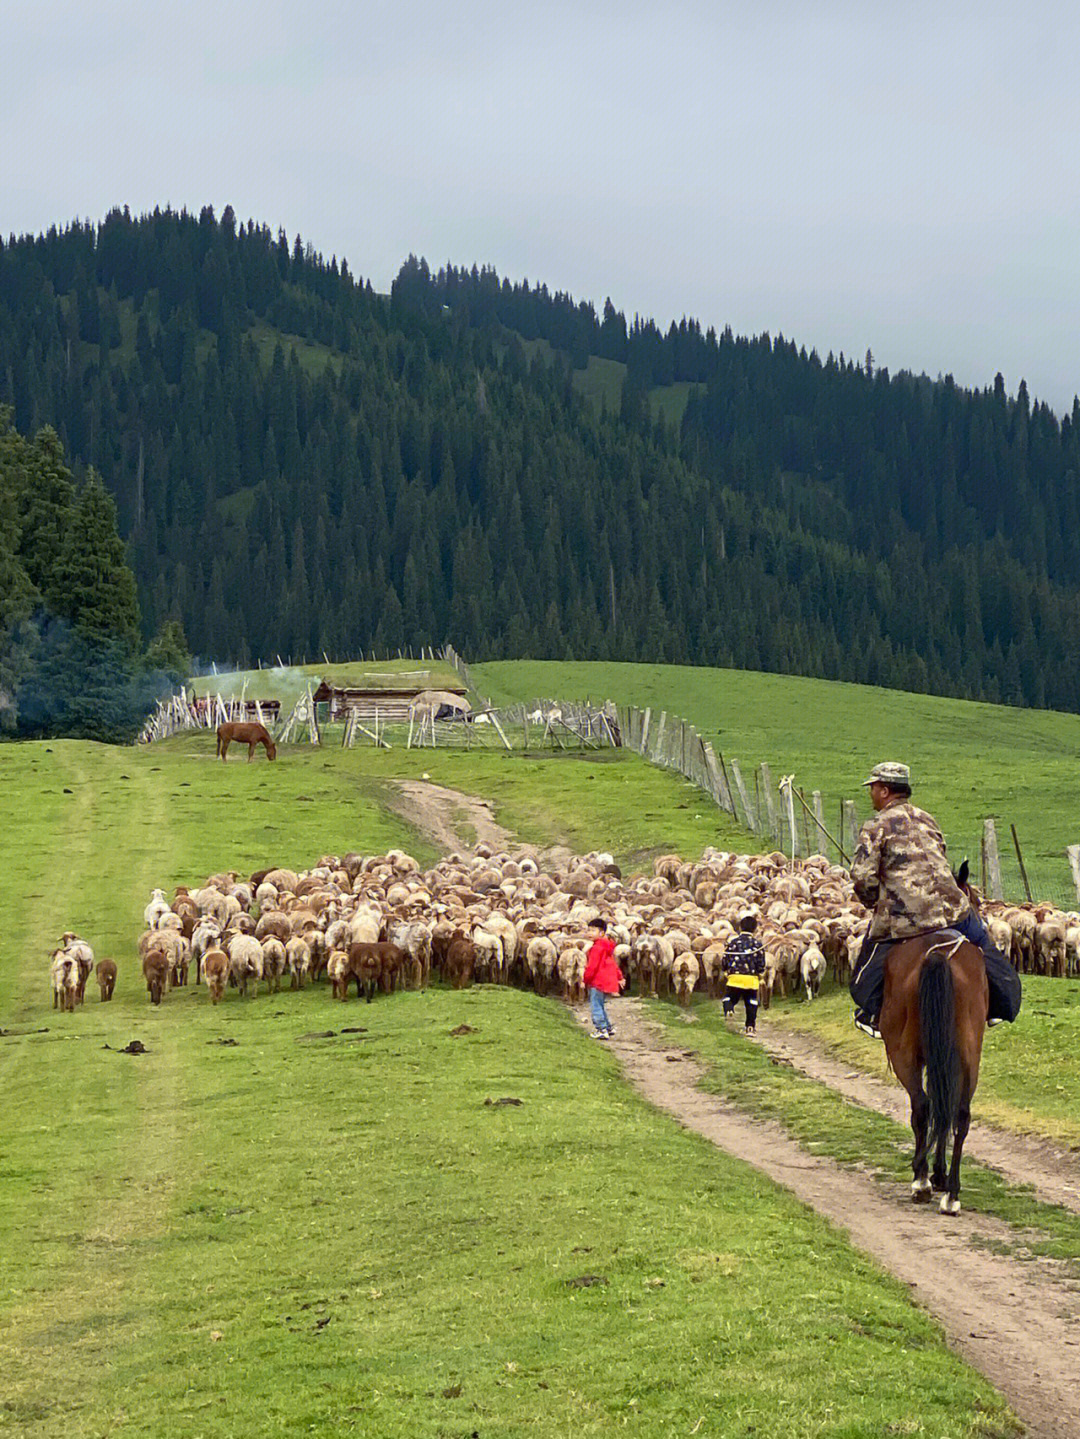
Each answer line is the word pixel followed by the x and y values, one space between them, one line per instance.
pixel 215 968
pixel 684 976
pixel 64 970
pixel 156 972
pixel 245 962
pixel 297 956
pixel 812 967
pixel 106 978
pixel 274 962
pixel 156 910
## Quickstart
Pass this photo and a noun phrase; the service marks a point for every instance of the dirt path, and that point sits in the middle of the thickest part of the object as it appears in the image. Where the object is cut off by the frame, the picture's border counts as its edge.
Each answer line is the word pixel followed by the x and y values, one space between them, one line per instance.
pixel 450 819
pixel 1018 1322
pixel 1054 1173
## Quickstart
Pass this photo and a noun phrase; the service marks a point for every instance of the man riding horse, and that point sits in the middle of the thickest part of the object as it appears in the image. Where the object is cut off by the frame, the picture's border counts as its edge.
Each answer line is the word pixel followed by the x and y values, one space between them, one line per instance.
pixel 901 872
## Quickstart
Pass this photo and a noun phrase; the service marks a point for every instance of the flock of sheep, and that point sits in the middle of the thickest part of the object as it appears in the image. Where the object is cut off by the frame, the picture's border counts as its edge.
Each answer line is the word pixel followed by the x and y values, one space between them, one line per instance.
pixel 379 922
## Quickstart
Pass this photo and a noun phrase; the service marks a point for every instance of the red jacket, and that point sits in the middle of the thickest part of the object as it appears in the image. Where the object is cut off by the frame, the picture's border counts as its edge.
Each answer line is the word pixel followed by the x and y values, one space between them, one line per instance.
pixel 602 972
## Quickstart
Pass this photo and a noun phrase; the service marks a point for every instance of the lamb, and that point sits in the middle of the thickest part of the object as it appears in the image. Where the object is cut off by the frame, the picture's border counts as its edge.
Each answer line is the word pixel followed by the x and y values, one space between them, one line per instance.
pixel 106 978
pixel 215 967
pixel 297 956
pixel 274 962
pixel 684 976
pixel 812 967
pixel 156 971
pixel 65 980
pixel 156 909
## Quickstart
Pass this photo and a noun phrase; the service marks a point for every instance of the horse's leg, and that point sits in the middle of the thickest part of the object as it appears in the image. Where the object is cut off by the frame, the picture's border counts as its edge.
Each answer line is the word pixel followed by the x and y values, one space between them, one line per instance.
pixel 938 1178
pixel 921 1188
pixel 223 749
pixel 251 751
pixel 950 1202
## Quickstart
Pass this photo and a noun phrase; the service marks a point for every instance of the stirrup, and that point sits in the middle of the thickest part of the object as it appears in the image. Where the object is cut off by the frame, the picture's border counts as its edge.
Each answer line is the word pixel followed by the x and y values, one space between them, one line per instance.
pixel 992 1023
pixel 867 1025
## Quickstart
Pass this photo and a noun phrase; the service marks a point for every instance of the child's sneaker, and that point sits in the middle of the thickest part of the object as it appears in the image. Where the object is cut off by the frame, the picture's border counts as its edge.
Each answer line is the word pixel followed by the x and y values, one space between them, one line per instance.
pixel 599 1034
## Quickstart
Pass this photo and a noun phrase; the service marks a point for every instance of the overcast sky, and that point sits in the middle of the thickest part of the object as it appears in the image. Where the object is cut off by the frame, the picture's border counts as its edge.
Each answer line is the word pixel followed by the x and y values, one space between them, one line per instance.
pixel 903 181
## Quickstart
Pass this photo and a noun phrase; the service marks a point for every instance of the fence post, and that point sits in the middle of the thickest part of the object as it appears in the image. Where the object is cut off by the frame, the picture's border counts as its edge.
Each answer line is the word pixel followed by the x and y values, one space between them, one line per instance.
pixel 789 805
pixel 751 820
pixel 993 862
pixel 819 812
pixel 645 728
pixel 1073 852
pixel 851 825
pixel 660 728
pixel 770 800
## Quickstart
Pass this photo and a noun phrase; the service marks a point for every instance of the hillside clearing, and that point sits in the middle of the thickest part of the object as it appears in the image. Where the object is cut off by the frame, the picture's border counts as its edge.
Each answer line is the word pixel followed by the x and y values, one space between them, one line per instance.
pixel 969 761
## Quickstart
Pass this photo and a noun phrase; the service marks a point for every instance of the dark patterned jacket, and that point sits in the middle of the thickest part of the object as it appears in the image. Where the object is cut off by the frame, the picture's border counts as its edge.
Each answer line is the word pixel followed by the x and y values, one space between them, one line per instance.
pixel 744 961
pixel 901 872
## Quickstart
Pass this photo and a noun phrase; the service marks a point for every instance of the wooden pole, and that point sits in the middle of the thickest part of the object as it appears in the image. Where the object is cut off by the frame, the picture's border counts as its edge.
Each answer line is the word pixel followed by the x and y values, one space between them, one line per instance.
pixel 1073 853
pixel 770 801
pixel 851 825
pixel 751 820
pixel 1020 859
pixel 819 811
pixel 993 863
pixel 805 826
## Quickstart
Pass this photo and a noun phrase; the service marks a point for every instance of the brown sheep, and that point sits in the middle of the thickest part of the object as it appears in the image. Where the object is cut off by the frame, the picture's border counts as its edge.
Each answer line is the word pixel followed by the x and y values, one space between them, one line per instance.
pixel 215 967
pixel 156 970
pixel 106 978
pixel 460 961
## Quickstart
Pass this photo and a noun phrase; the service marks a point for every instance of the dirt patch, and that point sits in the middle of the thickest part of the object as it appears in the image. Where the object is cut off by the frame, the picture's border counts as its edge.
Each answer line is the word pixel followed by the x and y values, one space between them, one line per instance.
pixel 1018 1322
pixel 446 816
pixel 1054 1173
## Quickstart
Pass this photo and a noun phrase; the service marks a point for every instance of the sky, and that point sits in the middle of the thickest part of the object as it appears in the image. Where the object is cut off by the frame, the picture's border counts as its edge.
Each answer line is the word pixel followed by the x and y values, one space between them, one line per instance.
pixel 902 182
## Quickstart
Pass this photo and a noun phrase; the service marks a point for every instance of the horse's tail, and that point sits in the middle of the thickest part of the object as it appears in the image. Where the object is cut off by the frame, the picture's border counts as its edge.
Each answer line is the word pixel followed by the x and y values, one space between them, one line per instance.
pixel 937 1022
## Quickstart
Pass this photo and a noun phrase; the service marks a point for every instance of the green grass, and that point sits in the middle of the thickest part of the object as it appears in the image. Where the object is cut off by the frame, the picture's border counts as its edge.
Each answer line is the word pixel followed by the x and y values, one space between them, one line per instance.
pixel 969 761
pixel 1030 1075
pixel 337 1236
pixel 825 1123
pixel 311 356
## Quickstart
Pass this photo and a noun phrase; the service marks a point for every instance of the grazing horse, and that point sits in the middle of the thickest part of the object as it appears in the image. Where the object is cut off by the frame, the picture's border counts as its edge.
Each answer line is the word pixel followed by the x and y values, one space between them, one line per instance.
pixel 250 734
pixel 933 1018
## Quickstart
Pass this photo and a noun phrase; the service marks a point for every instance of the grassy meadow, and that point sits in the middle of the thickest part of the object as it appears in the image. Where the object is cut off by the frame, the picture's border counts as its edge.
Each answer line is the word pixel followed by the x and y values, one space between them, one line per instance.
pixel 969 761
pixel 1030 1075
pixel 251 1230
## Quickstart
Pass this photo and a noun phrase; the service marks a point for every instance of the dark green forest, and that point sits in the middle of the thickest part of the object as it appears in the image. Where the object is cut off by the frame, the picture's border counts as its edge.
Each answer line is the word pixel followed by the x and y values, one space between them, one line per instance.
pixel 71 655
pixel 299 464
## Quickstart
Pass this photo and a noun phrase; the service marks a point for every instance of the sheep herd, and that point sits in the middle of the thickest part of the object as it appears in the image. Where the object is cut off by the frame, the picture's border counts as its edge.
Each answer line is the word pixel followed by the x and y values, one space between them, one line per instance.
pixel 379 923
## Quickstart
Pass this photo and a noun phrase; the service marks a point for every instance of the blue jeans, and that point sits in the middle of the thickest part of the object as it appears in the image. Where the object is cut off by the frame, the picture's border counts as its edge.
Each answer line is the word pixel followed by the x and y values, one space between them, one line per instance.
pixel 599 1013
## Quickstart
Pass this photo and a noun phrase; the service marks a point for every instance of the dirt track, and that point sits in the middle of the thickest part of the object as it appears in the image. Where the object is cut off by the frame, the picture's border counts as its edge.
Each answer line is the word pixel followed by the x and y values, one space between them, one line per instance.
pixel 447 816
pixel 1054 1173
pixel 1016 1321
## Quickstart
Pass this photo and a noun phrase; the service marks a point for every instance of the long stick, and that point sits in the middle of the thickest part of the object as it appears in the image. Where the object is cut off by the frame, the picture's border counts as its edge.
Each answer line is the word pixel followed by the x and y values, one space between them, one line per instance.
pixel 1020 857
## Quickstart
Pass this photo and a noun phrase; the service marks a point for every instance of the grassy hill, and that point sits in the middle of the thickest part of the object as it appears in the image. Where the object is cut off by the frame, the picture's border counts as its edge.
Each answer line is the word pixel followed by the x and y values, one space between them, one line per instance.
pixel 251 1228
pixel 969 761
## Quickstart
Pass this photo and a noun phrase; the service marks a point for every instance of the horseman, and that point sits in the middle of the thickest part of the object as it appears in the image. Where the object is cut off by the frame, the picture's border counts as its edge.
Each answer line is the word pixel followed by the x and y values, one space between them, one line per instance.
pixel 901 872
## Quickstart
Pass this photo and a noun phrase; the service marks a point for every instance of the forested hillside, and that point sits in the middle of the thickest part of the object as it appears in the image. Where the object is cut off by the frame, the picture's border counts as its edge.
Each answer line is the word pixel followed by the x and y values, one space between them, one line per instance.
pixel 300 464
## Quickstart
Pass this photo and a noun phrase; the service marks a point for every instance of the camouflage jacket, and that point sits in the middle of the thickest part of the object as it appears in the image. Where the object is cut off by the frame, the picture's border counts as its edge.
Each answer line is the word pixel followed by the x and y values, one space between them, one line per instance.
pixel 902 873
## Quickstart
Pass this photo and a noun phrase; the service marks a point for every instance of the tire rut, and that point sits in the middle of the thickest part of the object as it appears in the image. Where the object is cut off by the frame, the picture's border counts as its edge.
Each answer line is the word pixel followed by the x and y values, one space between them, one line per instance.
pixel 1053 1172
pixel 1017 1322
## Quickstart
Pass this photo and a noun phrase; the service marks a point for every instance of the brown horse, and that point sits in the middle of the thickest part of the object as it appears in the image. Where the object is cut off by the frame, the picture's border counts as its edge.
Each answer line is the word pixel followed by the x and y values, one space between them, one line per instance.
pixel 933 1017
pixel 250 734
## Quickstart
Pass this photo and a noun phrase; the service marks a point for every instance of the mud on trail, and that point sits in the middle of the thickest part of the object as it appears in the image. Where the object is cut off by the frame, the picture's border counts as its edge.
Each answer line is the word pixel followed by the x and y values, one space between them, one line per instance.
pixel 450 819
pixel 1017 1321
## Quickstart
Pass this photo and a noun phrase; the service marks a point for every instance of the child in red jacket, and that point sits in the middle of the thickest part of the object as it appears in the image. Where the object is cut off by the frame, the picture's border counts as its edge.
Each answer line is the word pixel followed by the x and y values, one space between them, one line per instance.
pixel 603 977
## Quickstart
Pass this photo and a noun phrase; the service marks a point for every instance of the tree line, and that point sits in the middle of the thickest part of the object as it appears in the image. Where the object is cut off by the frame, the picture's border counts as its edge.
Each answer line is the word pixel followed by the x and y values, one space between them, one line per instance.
pixel 71 656
pixel 299 464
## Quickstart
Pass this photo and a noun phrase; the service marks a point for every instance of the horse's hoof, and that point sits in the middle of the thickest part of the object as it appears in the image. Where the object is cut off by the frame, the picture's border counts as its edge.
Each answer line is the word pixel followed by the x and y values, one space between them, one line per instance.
pixel 921 1191
pixel 950 1206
